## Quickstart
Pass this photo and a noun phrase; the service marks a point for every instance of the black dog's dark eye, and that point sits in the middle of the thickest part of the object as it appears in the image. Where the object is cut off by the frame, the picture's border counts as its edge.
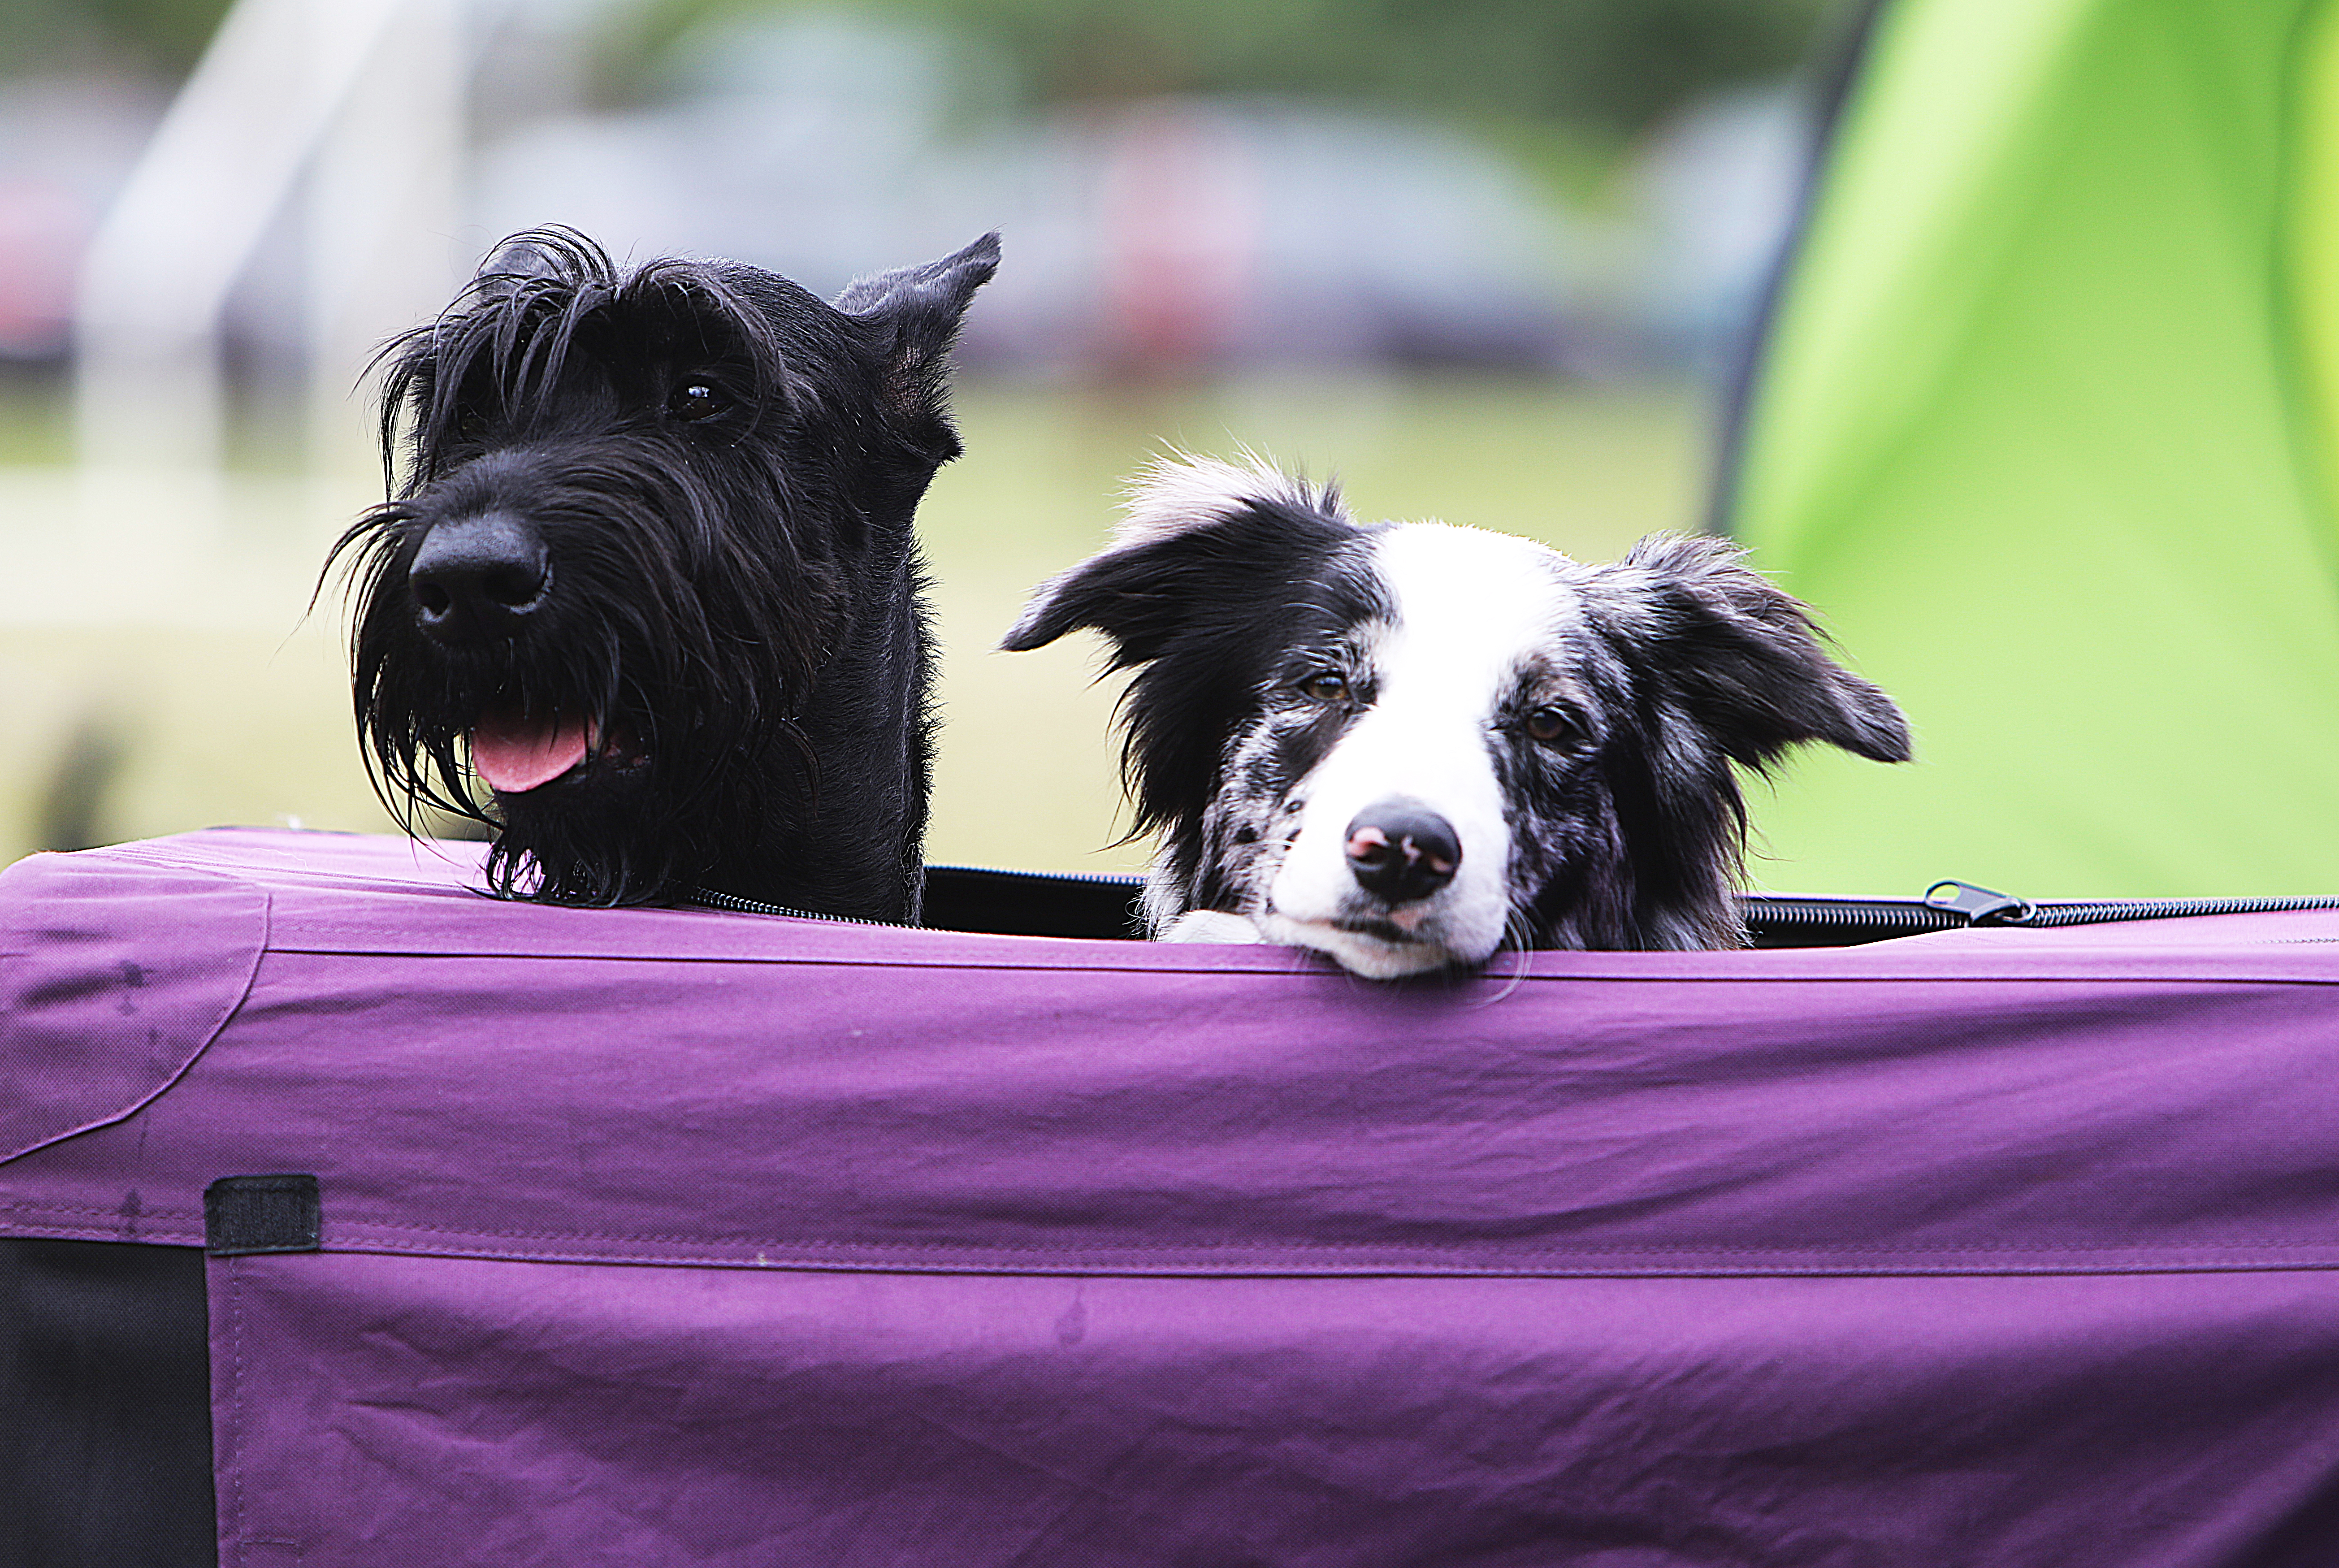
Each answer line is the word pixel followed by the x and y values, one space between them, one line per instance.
pixel 471 426
pixel 696 400
pixel 1324 686
pixel 1549 726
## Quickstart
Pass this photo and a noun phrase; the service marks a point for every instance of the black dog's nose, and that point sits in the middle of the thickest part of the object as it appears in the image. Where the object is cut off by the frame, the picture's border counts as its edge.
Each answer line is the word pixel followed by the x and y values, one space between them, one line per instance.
pixel 477 576
pixel 1400 850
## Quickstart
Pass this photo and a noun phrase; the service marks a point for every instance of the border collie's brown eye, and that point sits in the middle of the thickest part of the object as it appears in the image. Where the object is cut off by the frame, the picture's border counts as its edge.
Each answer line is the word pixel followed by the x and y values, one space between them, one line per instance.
pixel 1550 725
pixel 1324 686
pixel 695 400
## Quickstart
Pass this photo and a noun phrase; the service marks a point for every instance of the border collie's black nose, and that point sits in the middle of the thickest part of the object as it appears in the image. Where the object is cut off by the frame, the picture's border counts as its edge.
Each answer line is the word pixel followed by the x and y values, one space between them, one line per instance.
pixel 477 577
pixel 1400 851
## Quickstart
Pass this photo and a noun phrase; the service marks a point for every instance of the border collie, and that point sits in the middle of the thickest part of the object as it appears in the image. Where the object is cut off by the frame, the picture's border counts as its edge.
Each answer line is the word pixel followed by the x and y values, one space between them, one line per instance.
pixel 1404 743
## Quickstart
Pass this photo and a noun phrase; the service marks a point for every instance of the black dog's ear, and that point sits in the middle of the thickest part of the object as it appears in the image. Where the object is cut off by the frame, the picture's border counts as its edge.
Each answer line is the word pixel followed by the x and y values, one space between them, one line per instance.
pixel 915 312
pixel 1741 654
pixel 1200 538
pixel 933 295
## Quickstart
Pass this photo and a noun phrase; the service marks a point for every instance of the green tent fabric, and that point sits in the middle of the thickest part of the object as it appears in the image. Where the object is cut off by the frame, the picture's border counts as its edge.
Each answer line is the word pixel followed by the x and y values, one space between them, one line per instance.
pixel 2043 422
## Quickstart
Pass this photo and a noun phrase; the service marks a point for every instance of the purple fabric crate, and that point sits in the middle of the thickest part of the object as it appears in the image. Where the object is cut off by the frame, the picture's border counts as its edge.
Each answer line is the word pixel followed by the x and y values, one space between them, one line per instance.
pixel 673 1237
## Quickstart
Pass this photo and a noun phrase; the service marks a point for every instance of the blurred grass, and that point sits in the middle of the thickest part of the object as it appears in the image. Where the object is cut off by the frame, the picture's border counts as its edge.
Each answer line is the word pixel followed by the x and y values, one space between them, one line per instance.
pixel 36 428
pixel 246 719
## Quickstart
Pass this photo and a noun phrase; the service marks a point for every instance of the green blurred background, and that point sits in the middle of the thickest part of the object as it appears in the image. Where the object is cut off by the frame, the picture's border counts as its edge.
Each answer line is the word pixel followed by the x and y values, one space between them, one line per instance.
pixel 2049 426
pixel 161 669
pixel 2046 427
pixel 131 730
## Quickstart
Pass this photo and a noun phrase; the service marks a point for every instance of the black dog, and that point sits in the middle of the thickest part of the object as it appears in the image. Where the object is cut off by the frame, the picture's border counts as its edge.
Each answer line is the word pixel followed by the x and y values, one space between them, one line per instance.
pixel 1403 744
pixel 651 566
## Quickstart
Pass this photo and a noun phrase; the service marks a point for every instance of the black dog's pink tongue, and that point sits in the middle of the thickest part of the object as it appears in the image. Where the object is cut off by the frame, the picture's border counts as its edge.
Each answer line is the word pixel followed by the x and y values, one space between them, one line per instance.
pixel 516 754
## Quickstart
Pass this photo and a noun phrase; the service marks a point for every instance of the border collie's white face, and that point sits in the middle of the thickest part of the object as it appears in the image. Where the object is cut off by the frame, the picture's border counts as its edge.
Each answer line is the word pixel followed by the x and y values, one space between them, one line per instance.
pixel 1392 851
pixel 1402 744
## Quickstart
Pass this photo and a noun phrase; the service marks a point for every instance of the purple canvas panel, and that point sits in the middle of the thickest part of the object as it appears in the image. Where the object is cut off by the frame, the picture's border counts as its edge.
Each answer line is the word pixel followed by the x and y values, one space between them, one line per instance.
pixel 112 980
pixel 1997 1248
pixel 751 1092
pixel 391 1412
pixel 387 1411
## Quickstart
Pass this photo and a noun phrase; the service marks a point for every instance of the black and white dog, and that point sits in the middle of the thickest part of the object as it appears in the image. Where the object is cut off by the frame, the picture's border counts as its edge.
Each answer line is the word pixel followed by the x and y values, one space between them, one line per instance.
pixel 1406 744
pixel 650 574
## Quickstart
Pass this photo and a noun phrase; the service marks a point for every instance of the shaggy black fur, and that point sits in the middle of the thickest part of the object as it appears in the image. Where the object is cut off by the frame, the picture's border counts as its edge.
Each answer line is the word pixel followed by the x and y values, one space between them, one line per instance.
pixel 673 506
pixel 1669 671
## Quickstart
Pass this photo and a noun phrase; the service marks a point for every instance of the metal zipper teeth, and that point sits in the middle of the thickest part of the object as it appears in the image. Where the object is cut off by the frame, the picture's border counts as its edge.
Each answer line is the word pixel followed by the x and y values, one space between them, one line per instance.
pixel 705 897
pixel 1786 909
pixel 731 903
pixel 1761 914
pixel 1091 878
pixel 1912 917
pixel 1759 910
pixel 2105 912
pixel 1787 914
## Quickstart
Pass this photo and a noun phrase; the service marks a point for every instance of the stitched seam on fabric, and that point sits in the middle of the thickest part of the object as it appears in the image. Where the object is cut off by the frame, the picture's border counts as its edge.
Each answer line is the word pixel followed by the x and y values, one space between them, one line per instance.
pixel 981 965
pixel 1359 1260
pixel 259 951
pixel 1606 978
pixel 1655 1250
pixel 159 1237
pixel 1123 1269
pixel 148 1218
pixel 730 1245
pixel 235 1397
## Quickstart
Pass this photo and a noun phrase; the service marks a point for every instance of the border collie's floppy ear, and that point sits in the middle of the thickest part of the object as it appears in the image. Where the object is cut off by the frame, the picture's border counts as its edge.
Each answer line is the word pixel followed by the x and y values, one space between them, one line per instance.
pixel 921 306
pixel 1200 540
pixel 1739 654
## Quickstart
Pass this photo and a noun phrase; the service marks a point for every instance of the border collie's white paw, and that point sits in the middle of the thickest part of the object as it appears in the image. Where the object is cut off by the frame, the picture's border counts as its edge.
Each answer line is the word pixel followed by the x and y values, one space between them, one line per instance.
pixel 1211 926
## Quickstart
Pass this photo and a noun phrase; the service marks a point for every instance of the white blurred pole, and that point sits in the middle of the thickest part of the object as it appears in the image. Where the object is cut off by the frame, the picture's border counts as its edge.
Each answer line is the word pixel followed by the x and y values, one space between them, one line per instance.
pixel 150 385
pixel 384 208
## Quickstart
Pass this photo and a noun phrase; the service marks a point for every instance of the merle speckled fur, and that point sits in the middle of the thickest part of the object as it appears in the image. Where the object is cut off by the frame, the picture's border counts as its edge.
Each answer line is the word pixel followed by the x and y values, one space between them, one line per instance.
pixel 1681 664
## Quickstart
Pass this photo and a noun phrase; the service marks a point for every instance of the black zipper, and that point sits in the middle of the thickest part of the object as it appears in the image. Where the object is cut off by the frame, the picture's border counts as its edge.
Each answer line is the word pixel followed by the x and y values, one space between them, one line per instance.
pixel 2078 913
pixel 1793 920
pixel 732 903
pixel 1776 920
pixel 997 903
pixel 1106 907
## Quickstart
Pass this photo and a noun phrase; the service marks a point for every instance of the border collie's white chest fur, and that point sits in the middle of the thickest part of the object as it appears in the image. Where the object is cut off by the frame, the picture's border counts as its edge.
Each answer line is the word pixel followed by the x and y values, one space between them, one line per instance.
pixel 1402 744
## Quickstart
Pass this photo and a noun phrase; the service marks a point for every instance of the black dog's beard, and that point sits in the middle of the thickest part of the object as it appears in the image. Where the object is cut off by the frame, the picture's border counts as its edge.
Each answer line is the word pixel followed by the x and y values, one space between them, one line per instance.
pixel 690 702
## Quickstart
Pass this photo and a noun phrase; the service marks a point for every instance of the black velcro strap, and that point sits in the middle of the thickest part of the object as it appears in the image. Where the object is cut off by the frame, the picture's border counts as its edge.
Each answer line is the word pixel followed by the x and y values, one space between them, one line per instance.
pixel 243 1214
